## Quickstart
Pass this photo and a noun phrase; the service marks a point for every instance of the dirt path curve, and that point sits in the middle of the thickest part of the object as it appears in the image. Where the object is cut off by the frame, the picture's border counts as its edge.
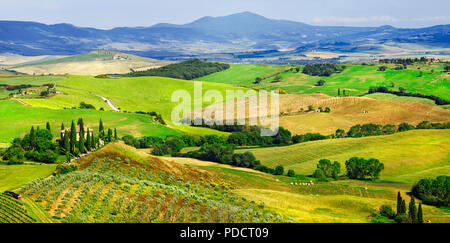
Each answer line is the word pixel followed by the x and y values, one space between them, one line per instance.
pixel 108 101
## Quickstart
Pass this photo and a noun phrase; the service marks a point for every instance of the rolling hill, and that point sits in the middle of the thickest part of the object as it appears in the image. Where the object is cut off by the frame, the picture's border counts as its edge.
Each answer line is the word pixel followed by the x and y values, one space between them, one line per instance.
pixel 129 94
pixel 17 119
pixel 349 111
pixel 92 63
pixel 356 79
pixel 407 156
pixel 119 184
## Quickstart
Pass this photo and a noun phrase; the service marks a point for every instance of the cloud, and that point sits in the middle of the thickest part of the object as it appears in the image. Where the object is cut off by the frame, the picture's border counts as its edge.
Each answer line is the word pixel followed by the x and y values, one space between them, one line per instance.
pixel 336 19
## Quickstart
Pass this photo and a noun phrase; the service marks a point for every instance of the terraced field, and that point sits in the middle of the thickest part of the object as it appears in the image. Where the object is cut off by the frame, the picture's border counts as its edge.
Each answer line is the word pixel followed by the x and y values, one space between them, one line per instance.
pixel 13 211
pixel 117 189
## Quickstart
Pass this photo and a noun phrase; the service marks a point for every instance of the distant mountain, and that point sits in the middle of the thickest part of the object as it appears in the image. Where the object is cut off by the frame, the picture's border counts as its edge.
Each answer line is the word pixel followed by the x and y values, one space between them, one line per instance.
pixel 229 34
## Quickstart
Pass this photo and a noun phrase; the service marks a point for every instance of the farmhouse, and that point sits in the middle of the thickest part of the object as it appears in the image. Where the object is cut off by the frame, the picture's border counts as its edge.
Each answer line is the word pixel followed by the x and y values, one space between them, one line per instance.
pixel 78 132
pixel 31 91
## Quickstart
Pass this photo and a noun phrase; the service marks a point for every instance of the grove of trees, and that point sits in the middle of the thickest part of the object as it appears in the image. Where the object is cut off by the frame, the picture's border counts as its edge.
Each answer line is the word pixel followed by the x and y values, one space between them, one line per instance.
pixel 187 70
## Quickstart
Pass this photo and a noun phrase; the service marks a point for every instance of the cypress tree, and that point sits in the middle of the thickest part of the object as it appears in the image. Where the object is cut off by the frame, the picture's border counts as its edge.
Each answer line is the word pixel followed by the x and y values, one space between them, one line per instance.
pixel 403 206
pixel 109 135
pixel 339 92
pixel 73 137
pixel 32 137
pixel 37 128
pixel 66 143
pixel 420 214
pixel 412 215
pixel 48 126
pixel 88 141
pixel 399 204
pixel 92 141
pixel 62 126
pixel 101 129
pixel 81 124
pixel 81 145
pixel 115 133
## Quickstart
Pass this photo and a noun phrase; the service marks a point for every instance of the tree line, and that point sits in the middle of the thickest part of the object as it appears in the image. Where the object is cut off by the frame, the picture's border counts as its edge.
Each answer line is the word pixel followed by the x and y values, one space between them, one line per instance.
pixel 187 70
pixel 38 145
pixel 403 92
pixel 357 168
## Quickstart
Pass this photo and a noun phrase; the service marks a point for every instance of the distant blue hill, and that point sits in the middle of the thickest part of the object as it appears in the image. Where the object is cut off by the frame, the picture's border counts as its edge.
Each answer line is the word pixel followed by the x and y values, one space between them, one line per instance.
pixel 206 35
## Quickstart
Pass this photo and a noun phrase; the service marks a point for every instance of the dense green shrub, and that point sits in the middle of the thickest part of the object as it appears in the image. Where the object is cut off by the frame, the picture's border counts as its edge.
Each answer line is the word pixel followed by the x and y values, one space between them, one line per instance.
pixel 433 191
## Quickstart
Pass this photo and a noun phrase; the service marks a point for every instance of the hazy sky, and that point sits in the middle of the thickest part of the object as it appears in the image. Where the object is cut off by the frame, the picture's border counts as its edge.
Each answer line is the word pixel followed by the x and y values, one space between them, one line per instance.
pixel 114 13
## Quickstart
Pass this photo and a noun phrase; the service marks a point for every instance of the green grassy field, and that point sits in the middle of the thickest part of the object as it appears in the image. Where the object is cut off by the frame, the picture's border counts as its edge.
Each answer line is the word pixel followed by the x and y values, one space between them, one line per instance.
pixel 130 94
pixel 407 156
pixel 17 119
pixel 32 80
pixel 14 176
pixel 243 74
pixel 356 79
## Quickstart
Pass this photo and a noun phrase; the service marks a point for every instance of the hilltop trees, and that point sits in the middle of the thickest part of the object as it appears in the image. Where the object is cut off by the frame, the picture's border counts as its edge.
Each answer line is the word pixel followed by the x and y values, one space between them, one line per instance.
pixel 187 70
pixel 322 69
pixel 39 145
pixel 362 169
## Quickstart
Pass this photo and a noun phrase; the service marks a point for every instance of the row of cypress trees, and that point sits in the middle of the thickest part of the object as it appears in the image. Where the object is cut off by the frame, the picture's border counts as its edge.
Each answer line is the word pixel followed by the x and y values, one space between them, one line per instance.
pixel 73 146
pixel 415 215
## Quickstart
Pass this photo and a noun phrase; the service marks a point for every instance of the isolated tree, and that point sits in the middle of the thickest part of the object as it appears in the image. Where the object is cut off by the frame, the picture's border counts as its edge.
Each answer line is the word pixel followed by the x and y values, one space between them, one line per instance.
pixel 48 126
pixel 115 134
pixel 339 92
pixel 291 173
pixel 62 126
pixel 279 170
